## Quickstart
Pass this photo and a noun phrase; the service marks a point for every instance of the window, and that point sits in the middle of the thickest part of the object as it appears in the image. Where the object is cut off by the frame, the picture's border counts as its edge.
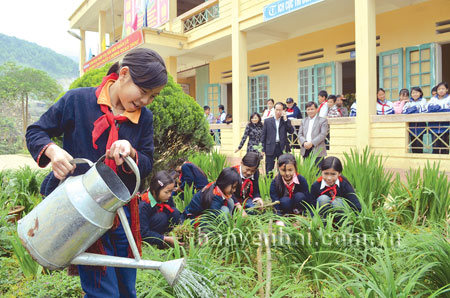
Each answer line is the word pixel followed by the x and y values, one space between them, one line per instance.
pixel 420 67
pixel 313 79
pixel 258 93
pixel 212 98
pixel 390 73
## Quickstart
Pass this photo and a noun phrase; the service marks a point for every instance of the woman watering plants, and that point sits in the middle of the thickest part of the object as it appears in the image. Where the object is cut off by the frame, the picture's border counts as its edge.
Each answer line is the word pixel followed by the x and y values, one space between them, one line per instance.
pixel 111 119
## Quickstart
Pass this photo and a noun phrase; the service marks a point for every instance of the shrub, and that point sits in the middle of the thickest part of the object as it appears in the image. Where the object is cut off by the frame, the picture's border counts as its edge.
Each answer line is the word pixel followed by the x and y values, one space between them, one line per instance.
pixel 179 125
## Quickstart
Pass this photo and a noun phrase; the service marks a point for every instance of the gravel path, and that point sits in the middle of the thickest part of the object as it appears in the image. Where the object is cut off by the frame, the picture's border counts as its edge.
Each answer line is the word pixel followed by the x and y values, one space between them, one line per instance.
pixel 15 161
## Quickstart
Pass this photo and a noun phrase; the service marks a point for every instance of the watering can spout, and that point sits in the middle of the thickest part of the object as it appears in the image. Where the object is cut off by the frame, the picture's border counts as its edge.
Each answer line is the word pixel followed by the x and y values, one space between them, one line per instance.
pixel 171 270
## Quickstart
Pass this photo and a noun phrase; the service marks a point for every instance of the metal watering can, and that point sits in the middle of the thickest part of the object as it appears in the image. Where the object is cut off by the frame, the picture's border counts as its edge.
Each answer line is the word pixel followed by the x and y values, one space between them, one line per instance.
pixel 77 213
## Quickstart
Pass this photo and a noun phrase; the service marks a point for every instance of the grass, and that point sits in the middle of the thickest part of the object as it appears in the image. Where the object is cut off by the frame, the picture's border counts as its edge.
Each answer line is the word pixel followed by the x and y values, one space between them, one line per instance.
pixel 368 176
pixel 397 246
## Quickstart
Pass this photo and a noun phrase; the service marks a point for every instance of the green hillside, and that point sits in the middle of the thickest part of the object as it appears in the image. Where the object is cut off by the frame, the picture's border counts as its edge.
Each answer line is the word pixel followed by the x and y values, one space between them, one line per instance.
pixel 32 55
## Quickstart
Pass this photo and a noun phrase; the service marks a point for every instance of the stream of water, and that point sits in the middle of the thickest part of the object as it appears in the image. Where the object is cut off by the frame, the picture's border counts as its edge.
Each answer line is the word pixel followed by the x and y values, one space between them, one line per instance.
pixel 193 285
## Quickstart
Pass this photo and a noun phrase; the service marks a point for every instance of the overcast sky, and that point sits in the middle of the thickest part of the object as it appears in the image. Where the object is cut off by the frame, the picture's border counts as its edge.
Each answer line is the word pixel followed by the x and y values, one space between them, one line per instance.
pixel 44 22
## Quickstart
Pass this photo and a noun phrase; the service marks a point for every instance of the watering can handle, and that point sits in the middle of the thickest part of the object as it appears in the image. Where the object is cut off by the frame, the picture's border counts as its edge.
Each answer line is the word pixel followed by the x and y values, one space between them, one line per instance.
pixel 130 162
pixel 81 161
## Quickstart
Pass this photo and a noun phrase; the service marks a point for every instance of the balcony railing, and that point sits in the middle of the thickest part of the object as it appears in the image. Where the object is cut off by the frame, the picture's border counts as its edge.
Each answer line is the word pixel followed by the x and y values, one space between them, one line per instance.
pixel 200 15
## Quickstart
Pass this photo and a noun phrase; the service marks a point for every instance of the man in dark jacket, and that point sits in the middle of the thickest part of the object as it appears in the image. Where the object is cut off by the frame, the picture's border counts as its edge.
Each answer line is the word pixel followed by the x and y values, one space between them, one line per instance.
pixel 274 136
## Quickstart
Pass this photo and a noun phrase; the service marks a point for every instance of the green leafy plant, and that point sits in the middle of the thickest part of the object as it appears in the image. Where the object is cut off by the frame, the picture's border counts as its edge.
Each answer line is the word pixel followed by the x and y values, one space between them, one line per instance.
pixel 366 173
pixel 211 163
pixel 29 267
pixel 307 167
pixel 424 196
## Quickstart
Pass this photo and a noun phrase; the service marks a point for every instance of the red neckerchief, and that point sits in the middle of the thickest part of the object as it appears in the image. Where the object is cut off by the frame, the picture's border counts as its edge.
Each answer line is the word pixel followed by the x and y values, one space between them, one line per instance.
pixel 108 120
pixel 218 192
pixel 100 125
pixel 290 110
pixel 339 110
pixel 246 183
pixel 321 105
pixel 162 206
pixel 268 113
pixel 382 106
pixel 291 186
pixel 331 189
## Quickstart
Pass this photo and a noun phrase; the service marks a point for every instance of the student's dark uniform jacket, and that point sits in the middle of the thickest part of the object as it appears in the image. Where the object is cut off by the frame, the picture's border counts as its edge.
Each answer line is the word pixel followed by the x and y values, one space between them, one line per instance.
pixel 249 189
pixel 301 187
pixel 74 116
pixel 190 174
pixel 343 190
pixel 148 208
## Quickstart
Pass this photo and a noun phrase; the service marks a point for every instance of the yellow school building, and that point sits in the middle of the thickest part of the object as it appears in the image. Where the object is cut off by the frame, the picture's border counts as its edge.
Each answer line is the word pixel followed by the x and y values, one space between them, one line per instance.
pixel 241 53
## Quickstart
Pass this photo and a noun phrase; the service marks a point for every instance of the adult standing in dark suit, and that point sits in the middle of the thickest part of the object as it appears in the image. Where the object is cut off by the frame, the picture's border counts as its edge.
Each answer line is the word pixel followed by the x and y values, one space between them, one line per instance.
pixel 274 136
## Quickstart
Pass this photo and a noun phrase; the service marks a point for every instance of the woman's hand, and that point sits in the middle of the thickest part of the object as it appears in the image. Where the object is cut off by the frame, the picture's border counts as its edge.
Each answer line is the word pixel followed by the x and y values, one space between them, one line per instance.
pixel 120 149
pixel 60 161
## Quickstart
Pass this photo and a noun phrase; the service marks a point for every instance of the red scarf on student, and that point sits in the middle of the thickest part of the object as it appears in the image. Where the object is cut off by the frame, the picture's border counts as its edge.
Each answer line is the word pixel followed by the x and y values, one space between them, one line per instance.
pixel 290 188
pixel 218 192
pixel 100 126
pixel 331 189
pixel 382 106
pixel 321 105
pixel 161 207
pixel 246 184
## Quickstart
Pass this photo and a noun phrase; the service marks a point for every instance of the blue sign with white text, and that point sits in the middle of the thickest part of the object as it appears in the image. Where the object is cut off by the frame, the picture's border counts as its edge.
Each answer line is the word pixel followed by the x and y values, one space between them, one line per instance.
pixel 283 7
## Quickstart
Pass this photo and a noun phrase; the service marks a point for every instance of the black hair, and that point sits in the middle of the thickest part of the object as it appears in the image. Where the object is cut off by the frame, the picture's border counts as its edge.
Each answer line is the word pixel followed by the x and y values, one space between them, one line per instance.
pixel 418 89
pixel 160 180
pixel 323 93
pixel 251 159
pixel 206 108
pixel 404 91
pixel 285 159
pixel 289 99
pixel 229 116
pixel 259 124
pixel 227 177
pixel 434 89
pixel 146 67
pixel 442 84
pixel 310 104
pixel 221 107
pixel 331 162
pixel 271 99
pixel 380 89
pixel 332 97
pixel 280 103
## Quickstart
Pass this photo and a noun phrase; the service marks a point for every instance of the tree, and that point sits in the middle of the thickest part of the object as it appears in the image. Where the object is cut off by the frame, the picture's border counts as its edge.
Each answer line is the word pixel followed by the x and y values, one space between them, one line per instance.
pixel 19 83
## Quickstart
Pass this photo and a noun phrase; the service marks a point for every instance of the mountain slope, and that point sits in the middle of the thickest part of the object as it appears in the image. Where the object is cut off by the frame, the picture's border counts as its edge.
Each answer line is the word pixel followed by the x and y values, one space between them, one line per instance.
pixel 32 55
